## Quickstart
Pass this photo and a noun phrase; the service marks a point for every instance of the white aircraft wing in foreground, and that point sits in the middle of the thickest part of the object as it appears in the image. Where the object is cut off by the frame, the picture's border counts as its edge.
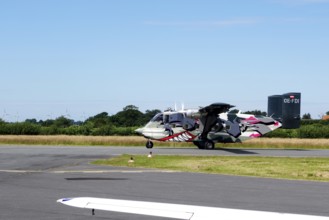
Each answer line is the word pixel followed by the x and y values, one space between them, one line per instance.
pixel 178 211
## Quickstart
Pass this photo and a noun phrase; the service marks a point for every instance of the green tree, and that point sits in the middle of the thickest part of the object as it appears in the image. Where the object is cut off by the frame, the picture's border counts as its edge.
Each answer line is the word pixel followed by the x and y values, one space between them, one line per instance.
pixel 130 116
pixel 130 107
pixel 32 121
pixel 307 116
pixel 99 120
pixel 63 122
pixel 47 123
pixel 256 112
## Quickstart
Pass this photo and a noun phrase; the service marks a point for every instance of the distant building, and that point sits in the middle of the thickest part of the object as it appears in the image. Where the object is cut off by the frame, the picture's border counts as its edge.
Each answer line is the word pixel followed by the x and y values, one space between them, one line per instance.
pixel 286 109
pixel 325 117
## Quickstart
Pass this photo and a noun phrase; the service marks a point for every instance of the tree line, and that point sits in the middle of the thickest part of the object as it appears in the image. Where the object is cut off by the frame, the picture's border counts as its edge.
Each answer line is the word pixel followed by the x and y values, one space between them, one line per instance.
pixel 125 123
pixel 122 123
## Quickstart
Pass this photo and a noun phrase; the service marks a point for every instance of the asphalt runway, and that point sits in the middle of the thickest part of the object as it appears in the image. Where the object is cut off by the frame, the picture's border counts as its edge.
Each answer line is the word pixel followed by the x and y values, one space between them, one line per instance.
pixel 32 178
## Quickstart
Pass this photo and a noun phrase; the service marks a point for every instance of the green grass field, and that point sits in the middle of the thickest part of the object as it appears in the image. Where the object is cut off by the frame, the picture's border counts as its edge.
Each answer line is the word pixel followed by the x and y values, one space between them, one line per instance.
pixel 315 169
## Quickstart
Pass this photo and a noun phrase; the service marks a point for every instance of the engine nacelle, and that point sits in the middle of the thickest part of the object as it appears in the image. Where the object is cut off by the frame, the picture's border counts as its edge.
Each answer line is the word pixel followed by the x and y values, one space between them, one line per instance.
pixel 193 113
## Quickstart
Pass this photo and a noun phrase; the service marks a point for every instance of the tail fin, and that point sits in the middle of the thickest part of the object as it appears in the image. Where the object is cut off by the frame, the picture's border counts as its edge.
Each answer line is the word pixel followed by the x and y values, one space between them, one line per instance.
pixel 286 109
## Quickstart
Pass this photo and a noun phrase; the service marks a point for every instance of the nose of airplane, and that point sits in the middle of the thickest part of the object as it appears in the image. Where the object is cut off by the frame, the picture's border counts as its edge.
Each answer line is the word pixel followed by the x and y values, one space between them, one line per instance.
pixel 139 130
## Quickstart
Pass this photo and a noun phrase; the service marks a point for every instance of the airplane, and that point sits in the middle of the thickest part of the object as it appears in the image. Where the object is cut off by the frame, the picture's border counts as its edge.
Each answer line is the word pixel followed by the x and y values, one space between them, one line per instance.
pixel 178 211
pixel 206 126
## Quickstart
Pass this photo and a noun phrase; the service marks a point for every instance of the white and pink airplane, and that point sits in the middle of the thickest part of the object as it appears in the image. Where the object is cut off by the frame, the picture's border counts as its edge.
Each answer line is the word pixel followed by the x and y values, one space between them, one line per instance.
pixel 206 126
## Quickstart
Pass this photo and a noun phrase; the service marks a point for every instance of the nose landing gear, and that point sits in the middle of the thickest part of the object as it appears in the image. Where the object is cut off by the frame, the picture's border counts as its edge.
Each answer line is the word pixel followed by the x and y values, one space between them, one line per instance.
pixel 149 144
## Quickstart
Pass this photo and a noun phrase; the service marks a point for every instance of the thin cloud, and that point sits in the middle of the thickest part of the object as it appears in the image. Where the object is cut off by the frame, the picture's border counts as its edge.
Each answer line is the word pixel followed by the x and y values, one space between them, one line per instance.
pixel 301 2
pixel 228 23
pixel 201 24
pixel 312 1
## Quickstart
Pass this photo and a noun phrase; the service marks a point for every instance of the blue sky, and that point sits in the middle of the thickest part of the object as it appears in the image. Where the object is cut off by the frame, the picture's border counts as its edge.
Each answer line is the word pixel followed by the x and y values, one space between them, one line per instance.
pixel 78 58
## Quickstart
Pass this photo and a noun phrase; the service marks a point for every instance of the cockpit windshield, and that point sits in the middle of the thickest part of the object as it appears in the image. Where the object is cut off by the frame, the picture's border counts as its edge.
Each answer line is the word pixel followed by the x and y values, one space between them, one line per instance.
pixel 157 118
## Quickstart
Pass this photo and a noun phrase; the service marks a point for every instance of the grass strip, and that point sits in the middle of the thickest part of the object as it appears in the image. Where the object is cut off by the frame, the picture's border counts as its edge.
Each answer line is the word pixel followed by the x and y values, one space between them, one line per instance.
pixel 83 140
pixel 261 143
pixel 314 169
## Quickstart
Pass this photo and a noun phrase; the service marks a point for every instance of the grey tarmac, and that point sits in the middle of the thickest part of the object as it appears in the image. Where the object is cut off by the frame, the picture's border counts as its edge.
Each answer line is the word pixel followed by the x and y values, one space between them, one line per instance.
pixel 32 178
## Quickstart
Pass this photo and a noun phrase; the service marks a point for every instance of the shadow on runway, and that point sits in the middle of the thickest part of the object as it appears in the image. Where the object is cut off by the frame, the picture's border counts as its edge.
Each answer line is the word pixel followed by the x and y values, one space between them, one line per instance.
pixel 93 178
pixel 283 149
pixel 237 151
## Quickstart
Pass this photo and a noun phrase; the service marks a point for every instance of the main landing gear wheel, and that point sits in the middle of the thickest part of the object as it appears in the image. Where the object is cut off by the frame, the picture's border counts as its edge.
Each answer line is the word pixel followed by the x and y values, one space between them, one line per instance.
pixel 208 145
pixel 149 144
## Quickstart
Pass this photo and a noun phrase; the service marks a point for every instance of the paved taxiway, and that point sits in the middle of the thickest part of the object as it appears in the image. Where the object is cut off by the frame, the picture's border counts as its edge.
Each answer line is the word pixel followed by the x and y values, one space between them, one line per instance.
pixel 32 178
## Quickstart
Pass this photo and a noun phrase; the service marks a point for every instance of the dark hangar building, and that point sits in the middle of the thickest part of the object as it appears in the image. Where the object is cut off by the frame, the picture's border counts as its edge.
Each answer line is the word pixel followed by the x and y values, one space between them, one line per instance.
pixel 286 109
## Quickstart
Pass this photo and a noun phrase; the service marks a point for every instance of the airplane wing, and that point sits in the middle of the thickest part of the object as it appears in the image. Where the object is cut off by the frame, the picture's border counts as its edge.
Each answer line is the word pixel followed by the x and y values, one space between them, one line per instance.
pixel 216 108
pixel 209 116
pixel 178 211
pixel 133 207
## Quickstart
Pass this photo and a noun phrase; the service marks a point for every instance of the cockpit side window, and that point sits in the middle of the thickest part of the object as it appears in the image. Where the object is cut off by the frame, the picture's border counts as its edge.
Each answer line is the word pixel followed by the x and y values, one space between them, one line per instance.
pixel 174 118
pixel 166 119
